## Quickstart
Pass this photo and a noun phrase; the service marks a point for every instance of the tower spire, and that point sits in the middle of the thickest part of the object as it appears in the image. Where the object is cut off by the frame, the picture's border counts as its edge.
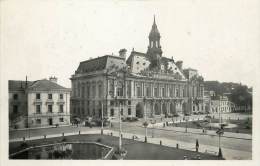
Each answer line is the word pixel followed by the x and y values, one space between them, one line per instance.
pixel 154 47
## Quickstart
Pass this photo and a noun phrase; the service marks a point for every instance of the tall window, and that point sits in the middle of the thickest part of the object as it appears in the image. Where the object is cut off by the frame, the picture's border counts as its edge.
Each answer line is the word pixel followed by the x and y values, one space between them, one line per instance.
pixel 111 87
pixel 15 97
pixel 171 92
pixel 112 112
pixel 38 96
pixel 50 108
pixel 88 91
pixel 148 91
pixel 177 92
pixel 163 92
pixel 129 111
pixel 155 91
pixel 119 89
pixel 61 108
pixel 83 91
pixel 100 90
pixel 128 88
pixel 61 96
pixel 139 92
pixel 94 90
pixel 50 96
pixel 38 109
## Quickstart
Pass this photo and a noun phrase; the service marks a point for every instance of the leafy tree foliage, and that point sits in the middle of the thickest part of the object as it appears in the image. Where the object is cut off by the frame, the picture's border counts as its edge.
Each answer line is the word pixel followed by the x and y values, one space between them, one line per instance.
pixel 240 96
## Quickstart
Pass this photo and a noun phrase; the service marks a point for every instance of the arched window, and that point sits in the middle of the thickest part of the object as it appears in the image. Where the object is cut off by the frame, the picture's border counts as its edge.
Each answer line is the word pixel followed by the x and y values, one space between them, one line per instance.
pixel 100 90
pixel 119 89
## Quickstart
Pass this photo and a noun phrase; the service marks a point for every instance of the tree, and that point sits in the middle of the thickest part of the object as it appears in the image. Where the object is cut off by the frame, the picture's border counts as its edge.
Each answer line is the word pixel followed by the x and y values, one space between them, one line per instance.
pixel 240 96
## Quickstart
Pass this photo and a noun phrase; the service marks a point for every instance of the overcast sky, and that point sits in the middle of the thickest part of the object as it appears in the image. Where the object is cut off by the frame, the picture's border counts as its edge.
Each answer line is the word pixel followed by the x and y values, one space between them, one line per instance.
pixel 42 38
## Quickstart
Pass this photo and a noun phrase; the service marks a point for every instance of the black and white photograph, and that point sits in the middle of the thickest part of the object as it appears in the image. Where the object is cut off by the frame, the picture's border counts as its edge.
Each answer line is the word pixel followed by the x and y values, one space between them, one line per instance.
pixel 129 80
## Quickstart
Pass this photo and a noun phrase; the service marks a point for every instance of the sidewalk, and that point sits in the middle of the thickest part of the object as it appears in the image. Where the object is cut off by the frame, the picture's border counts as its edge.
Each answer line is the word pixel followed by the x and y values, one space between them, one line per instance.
pixel 229 154
pixel 159 126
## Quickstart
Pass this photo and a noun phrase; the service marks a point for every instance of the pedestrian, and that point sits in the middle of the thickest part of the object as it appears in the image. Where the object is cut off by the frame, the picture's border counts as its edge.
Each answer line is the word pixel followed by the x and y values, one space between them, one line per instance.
pixel 197 145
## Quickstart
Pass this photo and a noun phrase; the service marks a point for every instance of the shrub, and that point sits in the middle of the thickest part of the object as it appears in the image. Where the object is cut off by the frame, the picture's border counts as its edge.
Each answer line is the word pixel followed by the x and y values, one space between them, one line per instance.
pixel 248 127
pixel 99 140
pixel 24 145
pixel 64 139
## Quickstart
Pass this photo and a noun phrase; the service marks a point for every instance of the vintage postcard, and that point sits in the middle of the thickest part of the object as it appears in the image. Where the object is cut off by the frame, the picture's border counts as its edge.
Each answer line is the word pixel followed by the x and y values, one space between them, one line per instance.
pixel 143 81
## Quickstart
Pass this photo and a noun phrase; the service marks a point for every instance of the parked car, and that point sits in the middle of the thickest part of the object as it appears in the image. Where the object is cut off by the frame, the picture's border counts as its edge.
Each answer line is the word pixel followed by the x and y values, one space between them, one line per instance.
pixel 208 117
pixel 131 119
pixel 176 115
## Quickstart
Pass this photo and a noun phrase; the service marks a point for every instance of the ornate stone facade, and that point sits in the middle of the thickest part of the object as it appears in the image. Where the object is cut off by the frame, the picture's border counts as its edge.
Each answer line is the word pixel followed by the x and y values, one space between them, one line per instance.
pixel 144 84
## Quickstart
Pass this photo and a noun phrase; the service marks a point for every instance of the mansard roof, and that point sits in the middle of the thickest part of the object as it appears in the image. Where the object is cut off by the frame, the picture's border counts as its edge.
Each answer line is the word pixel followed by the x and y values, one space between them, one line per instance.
pixel 100 63
pixel 133 53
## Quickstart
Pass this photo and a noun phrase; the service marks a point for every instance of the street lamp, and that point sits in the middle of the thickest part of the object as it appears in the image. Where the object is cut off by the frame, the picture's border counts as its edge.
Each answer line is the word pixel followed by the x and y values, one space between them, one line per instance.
pixel 186 129
pixel 120 124
pixel 220 132
pixel 102 119
pixel 153 122
pixel 145 119
pixel 120 129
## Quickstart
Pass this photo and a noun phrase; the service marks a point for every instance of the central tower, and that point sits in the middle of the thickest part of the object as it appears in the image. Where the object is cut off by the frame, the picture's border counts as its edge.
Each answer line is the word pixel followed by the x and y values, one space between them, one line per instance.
pixel 154 51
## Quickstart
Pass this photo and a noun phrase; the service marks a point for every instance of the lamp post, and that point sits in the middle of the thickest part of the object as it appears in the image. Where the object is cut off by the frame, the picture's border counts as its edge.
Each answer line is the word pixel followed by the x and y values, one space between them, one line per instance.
pixel 119 111
pixel 145 121
pixel 186 129
pixel 220 132
pixel 153 122
pixel 102 119
pixel 120 129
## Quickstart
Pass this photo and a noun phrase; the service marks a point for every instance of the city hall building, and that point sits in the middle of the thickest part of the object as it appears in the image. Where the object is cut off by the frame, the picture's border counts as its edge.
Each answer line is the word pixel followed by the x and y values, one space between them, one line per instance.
pixel 142 85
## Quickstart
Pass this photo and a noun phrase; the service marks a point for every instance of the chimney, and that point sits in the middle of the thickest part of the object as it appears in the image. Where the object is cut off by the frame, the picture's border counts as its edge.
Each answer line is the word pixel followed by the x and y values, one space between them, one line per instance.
pixel 122 53
pixel 179 64
pixel 53 79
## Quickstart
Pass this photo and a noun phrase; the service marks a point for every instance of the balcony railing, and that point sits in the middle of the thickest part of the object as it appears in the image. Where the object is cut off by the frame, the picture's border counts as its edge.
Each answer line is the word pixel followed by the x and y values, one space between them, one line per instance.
pixel 60 101
pixel 49 114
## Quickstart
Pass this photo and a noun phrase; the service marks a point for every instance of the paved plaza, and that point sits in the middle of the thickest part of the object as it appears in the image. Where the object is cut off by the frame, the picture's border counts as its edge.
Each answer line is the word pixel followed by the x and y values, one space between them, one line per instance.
pixel 234 145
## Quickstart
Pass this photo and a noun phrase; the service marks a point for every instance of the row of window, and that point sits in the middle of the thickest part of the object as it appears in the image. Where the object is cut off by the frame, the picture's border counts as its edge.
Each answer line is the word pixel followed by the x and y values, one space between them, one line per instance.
pixel 38 96
pixel 198 107
pixel 84 91
pixel 112 112
pixel 50 109
pixel 172 92
pixel 39 121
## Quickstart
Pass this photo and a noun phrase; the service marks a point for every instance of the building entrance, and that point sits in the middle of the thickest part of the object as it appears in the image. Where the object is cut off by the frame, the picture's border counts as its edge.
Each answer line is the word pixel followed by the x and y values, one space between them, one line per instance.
pixel 50 121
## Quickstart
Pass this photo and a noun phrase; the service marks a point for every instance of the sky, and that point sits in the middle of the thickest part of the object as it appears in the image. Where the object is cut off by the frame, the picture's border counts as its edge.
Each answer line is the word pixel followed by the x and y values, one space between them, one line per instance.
pixel 43 38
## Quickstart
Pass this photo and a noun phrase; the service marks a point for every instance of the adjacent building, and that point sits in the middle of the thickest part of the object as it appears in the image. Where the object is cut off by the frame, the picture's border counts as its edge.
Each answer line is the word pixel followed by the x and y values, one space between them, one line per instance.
pixel 38 103
pixel 221 104
pixel 142 85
